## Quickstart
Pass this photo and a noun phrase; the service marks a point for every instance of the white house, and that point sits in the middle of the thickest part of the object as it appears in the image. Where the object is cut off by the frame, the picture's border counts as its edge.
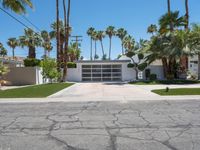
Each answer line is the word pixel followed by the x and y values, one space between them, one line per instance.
pixel 109 70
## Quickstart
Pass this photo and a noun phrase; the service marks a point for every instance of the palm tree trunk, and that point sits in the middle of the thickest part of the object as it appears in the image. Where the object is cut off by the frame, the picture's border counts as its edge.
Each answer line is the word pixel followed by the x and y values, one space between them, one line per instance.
pixel 95 53
pixel 32 52
pixel 122 49
pixel 58 35
pixel 110 48
pixel 102 47
pixel 187 15
pixel 13 53
pixel 91 49
pixel 169 13
pixel 66 36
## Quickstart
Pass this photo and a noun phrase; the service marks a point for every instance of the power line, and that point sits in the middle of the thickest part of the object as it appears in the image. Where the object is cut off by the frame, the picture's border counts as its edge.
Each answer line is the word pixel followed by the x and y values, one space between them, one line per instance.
pixel 13 17
pixel 23 24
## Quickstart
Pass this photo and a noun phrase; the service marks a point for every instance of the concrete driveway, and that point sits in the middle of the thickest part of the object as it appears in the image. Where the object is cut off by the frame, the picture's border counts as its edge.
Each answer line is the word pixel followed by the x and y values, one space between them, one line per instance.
pixel 104 91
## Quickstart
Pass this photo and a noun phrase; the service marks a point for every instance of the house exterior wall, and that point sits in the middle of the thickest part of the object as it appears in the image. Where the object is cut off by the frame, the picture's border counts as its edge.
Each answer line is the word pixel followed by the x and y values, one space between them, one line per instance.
pixel 193 65
pixel 24 76
pixel 75 74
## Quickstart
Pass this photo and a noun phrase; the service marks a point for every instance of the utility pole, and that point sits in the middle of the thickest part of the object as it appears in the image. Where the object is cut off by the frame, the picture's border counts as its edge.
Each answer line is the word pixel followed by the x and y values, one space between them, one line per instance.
pixel 77 39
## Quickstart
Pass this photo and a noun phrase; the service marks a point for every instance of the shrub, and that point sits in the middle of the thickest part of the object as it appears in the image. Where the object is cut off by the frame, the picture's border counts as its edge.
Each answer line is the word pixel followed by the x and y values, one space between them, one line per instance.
pixel 140 56
pixel 130 65
pixel 31 62
pixel 147 73
pixel 142 66
pixel 153 77
pixel 49 69
pixel 71 65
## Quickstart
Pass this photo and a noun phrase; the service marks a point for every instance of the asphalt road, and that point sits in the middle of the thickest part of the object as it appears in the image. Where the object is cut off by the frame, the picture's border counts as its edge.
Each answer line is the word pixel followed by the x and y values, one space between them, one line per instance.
pixel 144 125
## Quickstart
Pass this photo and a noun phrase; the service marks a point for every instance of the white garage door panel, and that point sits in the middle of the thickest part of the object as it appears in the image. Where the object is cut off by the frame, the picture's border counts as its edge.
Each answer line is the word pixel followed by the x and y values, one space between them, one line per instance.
pixel 101 72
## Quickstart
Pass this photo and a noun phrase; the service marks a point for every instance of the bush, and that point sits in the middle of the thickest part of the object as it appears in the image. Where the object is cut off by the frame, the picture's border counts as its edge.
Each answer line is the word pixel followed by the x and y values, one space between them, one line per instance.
pixel 147 73
pixel 130 65
pixel 140 56
pixel 71 65
pixel 142 66
pixel 153 77
pixel 31 62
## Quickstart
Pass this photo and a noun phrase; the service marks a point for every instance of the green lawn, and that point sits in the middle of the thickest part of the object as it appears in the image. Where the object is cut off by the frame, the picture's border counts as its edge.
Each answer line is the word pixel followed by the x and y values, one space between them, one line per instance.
pixel 166 82
pixel 180 91
pixel 36 91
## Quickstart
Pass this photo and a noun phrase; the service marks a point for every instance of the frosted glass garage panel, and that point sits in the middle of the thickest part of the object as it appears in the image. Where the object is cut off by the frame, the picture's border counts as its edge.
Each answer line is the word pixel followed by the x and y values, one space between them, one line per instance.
pixel 98 73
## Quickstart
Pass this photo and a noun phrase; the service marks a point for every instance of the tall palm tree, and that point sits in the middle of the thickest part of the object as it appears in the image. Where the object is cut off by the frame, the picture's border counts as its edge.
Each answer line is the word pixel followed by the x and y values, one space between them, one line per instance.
pixel 57 33
pixel 187 14
pixel 13 43
pixel 95 39
pixel 31 40
pixel 18 6
pixel 169 23
pixel 90 32
pixel 121 33
pixel 169 14
pixel 152 29
pixel 67 34
pixel 46 42
pixel 110 31
pixel 100 37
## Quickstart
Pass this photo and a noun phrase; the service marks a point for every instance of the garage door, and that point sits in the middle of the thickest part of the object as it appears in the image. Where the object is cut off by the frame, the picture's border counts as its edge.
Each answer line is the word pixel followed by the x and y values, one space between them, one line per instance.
pixel 101 73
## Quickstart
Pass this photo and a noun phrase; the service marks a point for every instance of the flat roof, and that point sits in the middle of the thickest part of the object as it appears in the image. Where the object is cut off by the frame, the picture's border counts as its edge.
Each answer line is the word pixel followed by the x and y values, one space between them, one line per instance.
pixel 103 61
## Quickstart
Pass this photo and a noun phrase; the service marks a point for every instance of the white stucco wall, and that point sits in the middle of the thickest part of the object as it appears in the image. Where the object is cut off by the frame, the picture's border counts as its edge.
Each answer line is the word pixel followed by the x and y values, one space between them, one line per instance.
pixel 128 74
pixel 24 76
pixel 75 74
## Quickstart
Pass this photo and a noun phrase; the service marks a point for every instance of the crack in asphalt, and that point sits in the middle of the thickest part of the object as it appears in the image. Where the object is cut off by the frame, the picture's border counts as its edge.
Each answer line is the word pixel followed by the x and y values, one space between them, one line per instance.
pixel 182 122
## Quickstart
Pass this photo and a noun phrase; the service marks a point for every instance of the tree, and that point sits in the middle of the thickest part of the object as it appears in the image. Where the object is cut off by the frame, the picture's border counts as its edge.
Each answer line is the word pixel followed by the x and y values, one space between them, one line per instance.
pixel 73 52
pixel 95 39
pixel 121 33
pixel 90 33
pixel 18 6
pixel 169 48
pixel 31 40
pixel 56 33
pixel 3 52
pixel 13 43
pixel 110 31
pixel 171 22
pixel 46 43
pixel 100 37
pixel 169 15
pixel 152 29
pixel 49 69
pixel 132 51
pixel 187 15
pixel 67 34
pixel 3 70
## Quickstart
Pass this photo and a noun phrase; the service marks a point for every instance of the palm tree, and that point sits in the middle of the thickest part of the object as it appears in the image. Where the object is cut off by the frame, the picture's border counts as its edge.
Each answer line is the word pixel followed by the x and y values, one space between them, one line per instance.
pixel 152 29
pixel 67 34
pixel 3 52
pixel 57 33
pixel 13 43
pixel 90 32
pixel 95 39
pixel 100 37
pixel 46 44
pixel 110 31
pixel 31 40
pixel 187 15
pixel 18 6
pixel 174 21
pixel 169 15
pixel 121 33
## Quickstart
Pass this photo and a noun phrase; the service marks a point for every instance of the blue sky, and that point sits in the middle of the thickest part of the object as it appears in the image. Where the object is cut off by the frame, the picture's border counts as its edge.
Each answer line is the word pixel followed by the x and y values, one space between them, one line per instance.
pixel 133 15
